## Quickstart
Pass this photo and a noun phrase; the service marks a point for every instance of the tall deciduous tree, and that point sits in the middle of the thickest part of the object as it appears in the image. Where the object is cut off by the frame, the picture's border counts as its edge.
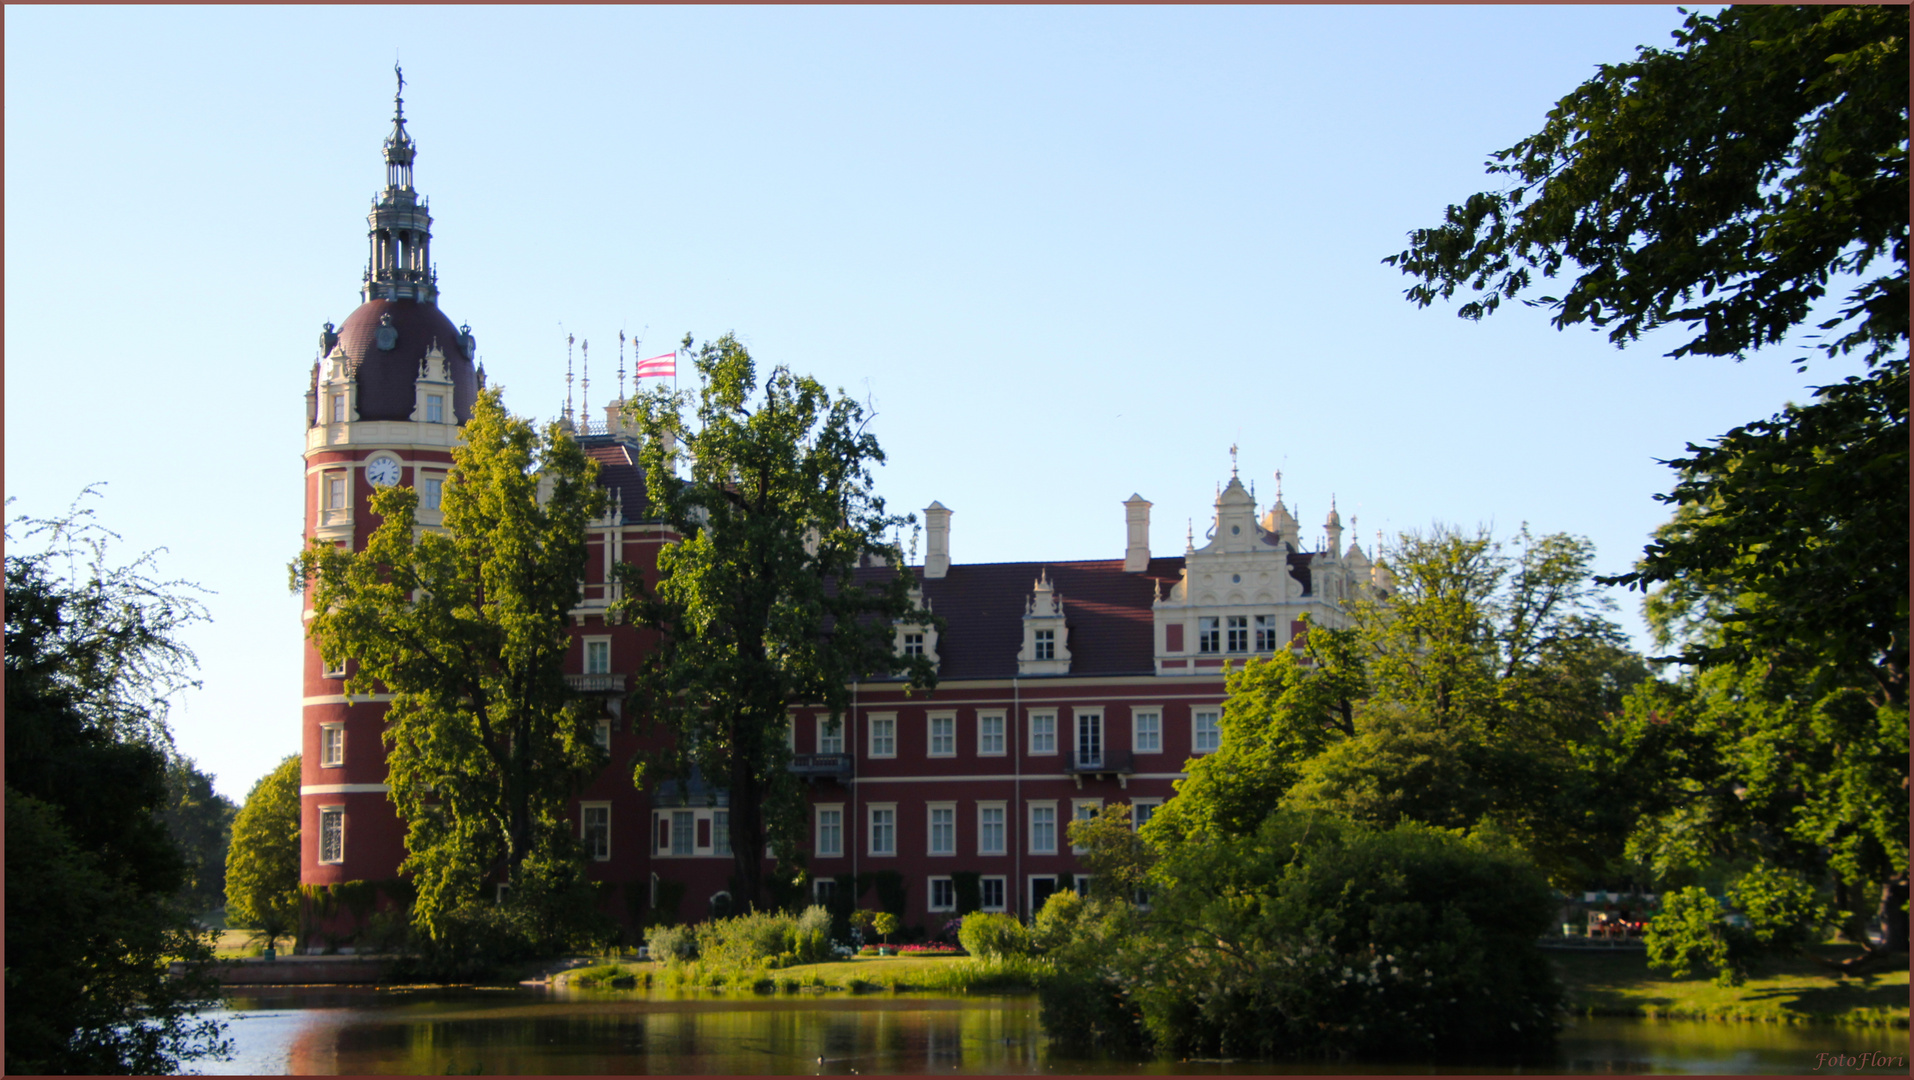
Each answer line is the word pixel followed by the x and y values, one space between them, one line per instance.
pixel 262 865
pixel 759 602
pixel 93 878
pixel 200 821
pixel 465 628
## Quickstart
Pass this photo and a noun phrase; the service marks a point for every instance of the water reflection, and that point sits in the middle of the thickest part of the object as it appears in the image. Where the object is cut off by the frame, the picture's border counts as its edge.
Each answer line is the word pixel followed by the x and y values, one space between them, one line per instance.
pixel 313 1030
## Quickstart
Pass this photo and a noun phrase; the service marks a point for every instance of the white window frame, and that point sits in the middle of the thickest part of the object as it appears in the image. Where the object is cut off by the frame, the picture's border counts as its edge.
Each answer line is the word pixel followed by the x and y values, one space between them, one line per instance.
pixel 931 810
pixel 828 743
pixel 819 825
pixel 1265 626
pixel 1041 812
pixel 1043 644
pixel 721 833
pixel 823 891
pixel 332 746
pixel 1197 730
pixel 944 745
pixel 435 408
pixel 599 645
pixel 431 491
pixel 1236 633
pixel 882 733
pixel 985 828
pixel 991 743
pixel 1137 821
pixel 338 489
pixel 593 851
pixel 1003 891
pixel 332 834
pixel 1209 635
pixel 885 830
pixel 601 735
pixel 332 672
pixel 1138 713
pixel 913 643
pixel 689 819
pixel 1077 808
pixel 1078 717
pixel 1043 732
pixel 950 889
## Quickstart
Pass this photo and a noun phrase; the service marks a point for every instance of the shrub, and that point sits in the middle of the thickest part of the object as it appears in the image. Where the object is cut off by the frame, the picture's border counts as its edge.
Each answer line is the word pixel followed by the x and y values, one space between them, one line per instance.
pixel 672 944
pixel 993 935
pixel 810 938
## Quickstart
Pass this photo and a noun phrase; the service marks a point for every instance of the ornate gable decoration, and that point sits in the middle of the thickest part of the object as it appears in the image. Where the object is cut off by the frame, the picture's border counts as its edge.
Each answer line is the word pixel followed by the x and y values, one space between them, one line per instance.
pixel 1046 636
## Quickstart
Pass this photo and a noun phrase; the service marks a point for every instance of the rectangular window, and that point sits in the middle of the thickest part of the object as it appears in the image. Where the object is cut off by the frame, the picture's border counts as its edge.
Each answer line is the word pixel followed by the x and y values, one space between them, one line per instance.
pixel 335 492
pixel 884 829
pixel 830 831
pixel 595 829
pixel 1208 636
pixel 1084 810
pixel 435 408
pixel 1043 733
pixel 1239 633
pixel 1142 810
pixel 433 494
pixel 943 736
pixel 943 894
pixel 1043 829
pixel 1046 644
pixel 990 829
pixel 823 891
pixel 1081 883
pixel 338 408
pixel 830 735
pixel 681 832
pixel 1265 633
pixel 913 644
pixel 993 890
pixel 332 744
pixel 1146 731
pixel 601 735
pixel 943 829
pixel 1207 731
pixel 721 832
pixel 332 834
pixel 883 736
pixel 990 734
pixel 1089 740
pixel 597 656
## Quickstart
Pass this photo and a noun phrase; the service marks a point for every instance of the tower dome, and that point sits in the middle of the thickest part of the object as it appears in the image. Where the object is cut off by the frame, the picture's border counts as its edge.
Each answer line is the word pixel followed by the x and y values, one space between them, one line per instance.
pixel 386 340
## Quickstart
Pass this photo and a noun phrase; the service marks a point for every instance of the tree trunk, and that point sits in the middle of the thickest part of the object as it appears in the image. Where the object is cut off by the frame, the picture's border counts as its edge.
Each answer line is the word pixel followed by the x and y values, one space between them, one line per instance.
pixel 747 833
pixel 1894 913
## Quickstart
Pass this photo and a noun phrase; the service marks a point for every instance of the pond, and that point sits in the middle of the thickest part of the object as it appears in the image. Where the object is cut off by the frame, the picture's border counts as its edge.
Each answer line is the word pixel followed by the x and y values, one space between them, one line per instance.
pixel 331 1030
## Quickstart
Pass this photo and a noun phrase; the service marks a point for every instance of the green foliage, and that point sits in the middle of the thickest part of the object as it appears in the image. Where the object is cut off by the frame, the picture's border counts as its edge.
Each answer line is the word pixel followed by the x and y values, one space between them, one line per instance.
pixel 92 876
pixel 671 944
pixel 759 604
pixel 968 885
pixel 1779 911
pixel 1718 184
pixel 262 863
pixel 885 924
pixel 200 821
pixel 466 629
pixel 993 935
pixel 1313 936
pixel 810 938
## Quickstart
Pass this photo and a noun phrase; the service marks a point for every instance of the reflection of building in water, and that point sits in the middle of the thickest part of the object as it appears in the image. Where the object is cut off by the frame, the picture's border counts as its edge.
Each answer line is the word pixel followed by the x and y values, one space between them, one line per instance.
pixel 1065 686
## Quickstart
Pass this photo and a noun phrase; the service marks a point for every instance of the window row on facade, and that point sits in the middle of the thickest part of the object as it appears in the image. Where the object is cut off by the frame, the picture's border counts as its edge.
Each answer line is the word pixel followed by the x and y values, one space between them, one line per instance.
pixel 1077 732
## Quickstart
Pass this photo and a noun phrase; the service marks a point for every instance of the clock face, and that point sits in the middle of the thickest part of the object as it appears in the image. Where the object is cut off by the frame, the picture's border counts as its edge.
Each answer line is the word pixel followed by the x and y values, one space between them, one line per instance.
pixel 383 471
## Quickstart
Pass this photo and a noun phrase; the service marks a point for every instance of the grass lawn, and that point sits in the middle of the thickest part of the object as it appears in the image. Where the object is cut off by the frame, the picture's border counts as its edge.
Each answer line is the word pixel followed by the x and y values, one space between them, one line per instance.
pixel 1620 983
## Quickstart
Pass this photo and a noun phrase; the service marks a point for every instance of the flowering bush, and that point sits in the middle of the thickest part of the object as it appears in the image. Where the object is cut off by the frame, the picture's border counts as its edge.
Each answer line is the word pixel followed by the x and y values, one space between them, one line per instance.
pixel 928 950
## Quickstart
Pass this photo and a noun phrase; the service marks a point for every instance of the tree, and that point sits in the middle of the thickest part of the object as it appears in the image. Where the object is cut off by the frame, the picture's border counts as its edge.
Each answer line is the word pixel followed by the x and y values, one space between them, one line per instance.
pixel 262 864
pixel 200 820
pixel 1719 184
pixel 465 628
pixel 92 876
pixel 760 603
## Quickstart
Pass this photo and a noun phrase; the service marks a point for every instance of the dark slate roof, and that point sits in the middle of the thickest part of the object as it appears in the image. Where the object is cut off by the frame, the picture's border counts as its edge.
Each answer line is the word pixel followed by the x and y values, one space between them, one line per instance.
pixel 386 375
pixel 618 471
pixel 1107 611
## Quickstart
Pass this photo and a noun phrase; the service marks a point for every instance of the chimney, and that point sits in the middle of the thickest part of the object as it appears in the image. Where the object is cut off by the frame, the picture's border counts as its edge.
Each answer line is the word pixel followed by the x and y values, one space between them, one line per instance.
pixel 936 540
pixel 1136 517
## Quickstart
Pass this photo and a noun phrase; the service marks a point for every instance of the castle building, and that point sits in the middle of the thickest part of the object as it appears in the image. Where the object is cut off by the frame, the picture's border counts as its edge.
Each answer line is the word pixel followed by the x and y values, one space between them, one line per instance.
pixel 1063 686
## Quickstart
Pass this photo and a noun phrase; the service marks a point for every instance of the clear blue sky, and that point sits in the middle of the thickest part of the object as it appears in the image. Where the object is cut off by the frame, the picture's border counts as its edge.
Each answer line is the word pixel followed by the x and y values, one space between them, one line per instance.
pixel 1068 253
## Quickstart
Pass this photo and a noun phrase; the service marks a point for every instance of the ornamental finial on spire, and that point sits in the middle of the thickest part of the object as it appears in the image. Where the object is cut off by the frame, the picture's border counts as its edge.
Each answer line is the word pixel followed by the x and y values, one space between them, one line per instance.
pixel 399 147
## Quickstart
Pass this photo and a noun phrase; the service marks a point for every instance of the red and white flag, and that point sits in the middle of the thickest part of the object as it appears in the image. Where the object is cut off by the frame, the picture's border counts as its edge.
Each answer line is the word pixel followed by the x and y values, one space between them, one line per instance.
pixel 663 366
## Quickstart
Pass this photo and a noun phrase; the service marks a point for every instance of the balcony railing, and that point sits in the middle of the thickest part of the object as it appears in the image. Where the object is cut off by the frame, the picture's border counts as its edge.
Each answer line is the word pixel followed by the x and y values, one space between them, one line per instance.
pixel 1119 765
pixel 596 684
pixel 837 766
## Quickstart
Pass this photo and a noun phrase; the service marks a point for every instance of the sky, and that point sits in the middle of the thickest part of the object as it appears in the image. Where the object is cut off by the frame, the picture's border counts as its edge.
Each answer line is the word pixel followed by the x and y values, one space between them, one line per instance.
pixel 1065 254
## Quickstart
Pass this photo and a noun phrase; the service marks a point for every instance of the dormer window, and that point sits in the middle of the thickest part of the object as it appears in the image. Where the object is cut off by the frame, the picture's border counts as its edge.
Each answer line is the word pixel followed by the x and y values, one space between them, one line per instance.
pixel 913 644
pixel 435 408
pixel 338 408
pixel 1046 645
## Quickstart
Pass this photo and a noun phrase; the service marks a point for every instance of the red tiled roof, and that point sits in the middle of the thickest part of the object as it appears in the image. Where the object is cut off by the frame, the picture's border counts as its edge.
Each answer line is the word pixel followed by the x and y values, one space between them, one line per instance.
pixel 618 471
pixel 386 375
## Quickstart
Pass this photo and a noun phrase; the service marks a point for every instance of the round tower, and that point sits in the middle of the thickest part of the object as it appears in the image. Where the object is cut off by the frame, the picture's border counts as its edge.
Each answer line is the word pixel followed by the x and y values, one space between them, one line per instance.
pixel 387 394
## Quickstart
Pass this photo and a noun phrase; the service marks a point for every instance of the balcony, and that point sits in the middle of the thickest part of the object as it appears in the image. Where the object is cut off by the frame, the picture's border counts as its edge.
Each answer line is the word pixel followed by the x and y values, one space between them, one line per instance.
pixel 828 766
pixel 596 684
pixel 1101 767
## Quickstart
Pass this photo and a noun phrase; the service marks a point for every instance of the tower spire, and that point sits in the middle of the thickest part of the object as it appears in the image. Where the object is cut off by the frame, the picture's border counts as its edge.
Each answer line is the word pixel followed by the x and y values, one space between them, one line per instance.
pixel 584 384
pixel 399 239
pixel 569 339
pixel 621 365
